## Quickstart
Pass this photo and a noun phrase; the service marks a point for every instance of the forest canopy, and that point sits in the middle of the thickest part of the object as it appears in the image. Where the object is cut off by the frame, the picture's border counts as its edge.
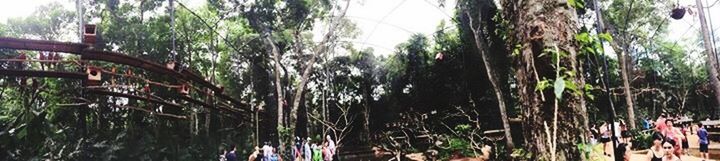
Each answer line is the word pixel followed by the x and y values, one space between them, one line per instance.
pixel 188 79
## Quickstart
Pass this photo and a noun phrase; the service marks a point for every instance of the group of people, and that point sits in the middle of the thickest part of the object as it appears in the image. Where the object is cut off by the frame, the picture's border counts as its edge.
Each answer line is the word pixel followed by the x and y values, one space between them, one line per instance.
pixel 302 150
pixel 307 150
pixel 604 133
pixel 669 140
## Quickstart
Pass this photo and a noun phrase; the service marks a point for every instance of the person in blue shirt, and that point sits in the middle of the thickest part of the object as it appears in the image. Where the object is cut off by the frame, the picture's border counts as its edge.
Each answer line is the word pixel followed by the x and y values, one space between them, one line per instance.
pixel 231 156
pixel 274 156
pixel 646 124
pixel 703 140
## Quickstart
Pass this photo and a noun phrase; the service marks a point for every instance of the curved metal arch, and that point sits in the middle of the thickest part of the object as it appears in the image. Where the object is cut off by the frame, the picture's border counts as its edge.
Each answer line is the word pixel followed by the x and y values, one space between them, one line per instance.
pixel 86 52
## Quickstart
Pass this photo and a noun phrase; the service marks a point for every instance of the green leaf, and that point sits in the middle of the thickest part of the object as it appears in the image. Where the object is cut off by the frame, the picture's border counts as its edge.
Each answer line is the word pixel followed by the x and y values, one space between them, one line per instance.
pixel 590 96
pixel 569 84
pixel 570 73
pixel 589 50
pixel 583 37
pixel 22 133
pixel 516 50
pixel 588 87
pixel 542 85
pixel 559 87
pixel 576 3
pixel 606 37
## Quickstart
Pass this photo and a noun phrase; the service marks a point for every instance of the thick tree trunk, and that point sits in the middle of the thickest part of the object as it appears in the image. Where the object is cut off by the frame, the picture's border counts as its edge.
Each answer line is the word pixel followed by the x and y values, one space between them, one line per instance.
pixel 711 57
pixel 484 50
pixel 539 25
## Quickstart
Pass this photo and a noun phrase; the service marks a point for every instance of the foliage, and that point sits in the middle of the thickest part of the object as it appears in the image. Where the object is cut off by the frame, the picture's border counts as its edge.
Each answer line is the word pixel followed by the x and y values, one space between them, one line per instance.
pixel 641 139
pixel 350 88
pixel 521 154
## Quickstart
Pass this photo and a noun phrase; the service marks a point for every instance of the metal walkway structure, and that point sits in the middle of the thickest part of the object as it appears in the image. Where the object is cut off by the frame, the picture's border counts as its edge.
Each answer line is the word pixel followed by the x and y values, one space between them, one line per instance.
pixel 220 101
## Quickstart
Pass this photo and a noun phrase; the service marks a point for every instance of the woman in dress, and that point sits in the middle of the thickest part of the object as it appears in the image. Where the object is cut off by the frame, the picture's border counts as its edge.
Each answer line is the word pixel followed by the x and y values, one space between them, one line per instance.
pixel 656 152
pixel 605 138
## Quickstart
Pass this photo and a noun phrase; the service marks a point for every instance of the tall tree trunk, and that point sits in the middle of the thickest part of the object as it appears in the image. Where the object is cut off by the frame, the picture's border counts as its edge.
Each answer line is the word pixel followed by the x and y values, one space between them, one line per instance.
pixel 539 25
pixel 321 49
pixel 484 50
pixel 278 86
pixel 367 95
pixel 624 72
pixel 711 57
pixel 622 55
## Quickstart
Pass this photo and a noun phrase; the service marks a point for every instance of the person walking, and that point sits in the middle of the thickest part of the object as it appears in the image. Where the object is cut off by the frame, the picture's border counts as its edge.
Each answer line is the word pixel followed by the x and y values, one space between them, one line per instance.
pixel 624 133
pixel 660 123
pixel 317 153
pixel 297 149
pixel 327 154
pixel 685 143
pixel 307 152
pixel 656 152
pixel 646 123
pixel 605 138
pixel 594 134
pixel 669 147
pixel 703 140
pixel 674 134
pixel 231 156
pixel 331 146
pixel 255 155
pixel 222 155
pixel 622 152
pixel 274 156
pixel 267 151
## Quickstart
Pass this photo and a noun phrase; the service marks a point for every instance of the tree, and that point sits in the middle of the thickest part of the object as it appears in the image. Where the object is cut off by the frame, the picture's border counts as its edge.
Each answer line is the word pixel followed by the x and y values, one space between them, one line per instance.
pixel 711 55
pixel 631 23
pixel 544 32
pixel 262 16
pixel 479 29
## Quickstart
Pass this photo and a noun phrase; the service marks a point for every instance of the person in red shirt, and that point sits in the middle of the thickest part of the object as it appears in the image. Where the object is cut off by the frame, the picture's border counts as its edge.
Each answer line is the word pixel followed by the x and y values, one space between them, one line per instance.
pixel 685 144
pixel 660 123
pixel 673 133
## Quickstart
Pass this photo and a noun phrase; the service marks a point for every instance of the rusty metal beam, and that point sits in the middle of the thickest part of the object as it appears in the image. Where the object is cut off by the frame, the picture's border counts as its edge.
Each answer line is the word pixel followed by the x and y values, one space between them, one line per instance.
pixel 75 75
pixel 41 45
pixel 124 59
pixel 114 57
pixel 40 73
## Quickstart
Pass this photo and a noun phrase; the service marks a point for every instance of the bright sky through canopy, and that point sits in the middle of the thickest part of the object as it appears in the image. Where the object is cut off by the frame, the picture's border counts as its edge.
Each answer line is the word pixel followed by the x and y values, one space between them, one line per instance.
pixel 409 17
pixel 386 23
